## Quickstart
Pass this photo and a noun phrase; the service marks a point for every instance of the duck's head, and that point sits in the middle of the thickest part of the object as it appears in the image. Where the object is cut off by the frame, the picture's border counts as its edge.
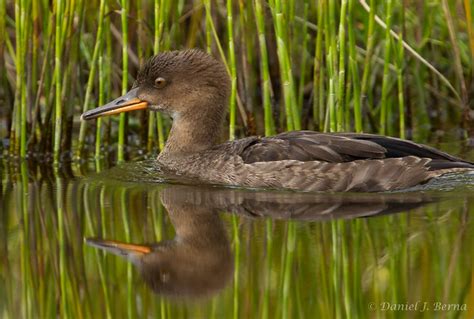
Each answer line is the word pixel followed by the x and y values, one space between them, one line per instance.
pixel 178 83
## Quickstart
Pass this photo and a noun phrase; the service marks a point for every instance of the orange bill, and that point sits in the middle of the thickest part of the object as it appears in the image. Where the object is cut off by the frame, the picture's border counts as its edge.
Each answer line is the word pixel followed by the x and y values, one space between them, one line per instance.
pixel 126 103
pixel 119 248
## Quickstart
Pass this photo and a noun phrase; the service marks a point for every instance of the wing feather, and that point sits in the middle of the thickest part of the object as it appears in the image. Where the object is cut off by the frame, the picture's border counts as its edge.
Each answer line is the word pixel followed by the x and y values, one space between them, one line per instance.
pixel 308 146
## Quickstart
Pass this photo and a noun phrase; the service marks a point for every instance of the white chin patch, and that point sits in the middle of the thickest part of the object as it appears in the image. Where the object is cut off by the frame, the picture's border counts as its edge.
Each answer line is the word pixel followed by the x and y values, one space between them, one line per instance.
pixel 158 107
pixel 161 108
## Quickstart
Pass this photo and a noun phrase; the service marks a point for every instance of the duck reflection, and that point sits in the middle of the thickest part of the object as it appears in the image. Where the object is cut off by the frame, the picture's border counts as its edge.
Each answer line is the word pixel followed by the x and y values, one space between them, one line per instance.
pixel 198 262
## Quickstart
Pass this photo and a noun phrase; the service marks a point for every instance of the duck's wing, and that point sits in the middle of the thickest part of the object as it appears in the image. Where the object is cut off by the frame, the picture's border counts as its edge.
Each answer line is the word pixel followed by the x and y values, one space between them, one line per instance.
pixel 310 146
pixel 338 148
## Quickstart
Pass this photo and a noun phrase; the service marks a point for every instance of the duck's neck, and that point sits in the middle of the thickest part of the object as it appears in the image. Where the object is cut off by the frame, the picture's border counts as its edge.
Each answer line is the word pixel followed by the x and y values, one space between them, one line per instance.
pixel 192 133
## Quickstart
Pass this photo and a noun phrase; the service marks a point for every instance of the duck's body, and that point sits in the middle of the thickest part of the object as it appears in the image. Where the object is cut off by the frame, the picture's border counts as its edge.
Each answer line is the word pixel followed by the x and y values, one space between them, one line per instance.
pixel 193 89
pixel 311 161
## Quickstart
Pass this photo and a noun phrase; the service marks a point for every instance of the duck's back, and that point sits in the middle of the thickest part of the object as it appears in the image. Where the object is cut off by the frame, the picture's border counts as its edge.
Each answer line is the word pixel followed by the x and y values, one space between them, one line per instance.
pixel 312 161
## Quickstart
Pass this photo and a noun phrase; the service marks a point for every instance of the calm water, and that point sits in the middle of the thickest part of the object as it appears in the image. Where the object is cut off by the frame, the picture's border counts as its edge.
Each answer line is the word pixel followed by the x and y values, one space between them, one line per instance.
pixel 210 252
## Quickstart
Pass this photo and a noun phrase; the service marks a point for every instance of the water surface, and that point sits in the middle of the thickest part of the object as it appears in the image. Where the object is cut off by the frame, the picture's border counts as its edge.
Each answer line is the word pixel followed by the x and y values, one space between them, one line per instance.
pixel 226 252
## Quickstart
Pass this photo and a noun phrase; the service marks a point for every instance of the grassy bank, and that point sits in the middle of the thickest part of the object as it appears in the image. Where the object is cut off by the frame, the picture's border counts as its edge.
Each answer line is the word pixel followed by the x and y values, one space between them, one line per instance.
pixel 397 68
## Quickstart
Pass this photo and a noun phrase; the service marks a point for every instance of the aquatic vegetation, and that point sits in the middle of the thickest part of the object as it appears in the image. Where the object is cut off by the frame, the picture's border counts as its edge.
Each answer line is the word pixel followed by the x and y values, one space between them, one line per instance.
pixel 294 255
pixel 387 67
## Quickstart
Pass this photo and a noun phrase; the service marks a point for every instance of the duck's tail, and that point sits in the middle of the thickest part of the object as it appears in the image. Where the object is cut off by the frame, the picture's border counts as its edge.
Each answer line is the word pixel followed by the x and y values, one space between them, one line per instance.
pixel 441 166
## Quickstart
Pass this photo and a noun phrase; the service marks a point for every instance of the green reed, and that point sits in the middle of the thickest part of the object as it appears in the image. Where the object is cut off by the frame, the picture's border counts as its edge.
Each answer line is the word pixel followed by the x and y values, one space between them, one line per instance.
pixel 158 228
pixel 341 67
pixel 101 100
pixel 354 71
pixel 63 271
pixel 279 9
pixel 160 14
pixel 25 252
pixel 287 267
pixel 264 69
pixel 330 120
pixel 400 55
pixel 236 249
pixel 58 77
pixel 233 70
pixel 22 57
pixel 386 70
pixel 124 23
pixel 370 46
pixel 318 70
pixel 269 254
pixel 2 26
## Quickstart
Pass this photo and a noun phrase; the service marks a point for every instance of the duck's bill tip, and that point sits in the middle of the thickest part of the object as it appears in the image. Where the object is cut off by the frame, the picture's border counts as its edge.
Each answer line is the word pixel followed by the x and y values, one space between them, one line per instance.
pixel 109 109
pixel 85 116
pixel 126 103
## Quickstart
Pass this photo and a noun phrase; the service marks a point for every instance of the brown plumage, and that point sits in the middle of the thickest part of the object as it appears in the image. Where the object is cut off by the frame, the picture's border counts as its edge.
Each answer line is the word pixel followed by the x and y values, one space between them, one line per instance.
pixel 193 88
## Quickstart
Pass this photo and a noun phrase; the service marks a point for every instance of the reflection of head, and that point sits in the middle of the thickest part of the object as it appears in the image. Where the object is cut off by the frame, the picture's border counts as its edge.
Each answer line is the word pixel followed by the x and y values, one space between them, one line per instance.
pixel 196 263
pixel 180 270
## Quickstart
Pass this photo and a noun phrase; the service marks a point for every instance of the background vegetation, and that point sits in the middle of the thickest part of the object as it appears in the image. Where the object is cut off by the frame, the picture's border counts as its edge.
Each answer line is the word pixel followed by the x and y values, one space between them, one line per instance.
pixel 402 68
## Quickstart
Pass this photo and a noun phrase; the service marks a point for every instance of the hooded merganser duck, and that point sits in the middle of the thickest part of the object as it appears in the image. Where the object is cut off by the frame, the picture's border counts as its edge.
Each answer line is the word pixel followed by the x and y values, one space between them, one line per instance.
pixel 193 88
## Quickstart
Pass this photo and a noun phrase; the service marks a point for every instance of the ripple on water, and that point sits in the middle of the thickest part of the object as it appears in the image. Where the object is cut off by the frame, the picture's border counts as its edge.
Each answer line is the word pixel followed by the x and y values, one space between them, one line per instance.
pixel 459 182
pixel 150 172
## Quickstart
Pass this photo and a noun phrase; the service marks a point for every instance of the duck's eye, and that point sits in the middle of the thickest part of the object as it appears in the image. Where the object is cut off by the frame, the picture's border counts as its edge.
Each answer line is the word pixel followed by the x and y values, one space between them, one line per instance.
pixel 160 82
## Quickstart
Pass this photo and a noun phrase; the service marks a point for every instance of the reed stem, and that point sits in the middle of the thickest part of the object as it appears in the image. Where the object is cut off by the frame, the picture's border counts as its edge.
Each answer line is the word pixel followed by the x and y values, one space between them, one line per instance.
pixel 25 8
pixel 386 70
pixel 233 70
pixel 58 80
pixel 123 118
pixel 369 49
pixel 160 13
pixel 341 109
pixel 264 69
pixel 289 96
pixel 318 75
pixel 400 80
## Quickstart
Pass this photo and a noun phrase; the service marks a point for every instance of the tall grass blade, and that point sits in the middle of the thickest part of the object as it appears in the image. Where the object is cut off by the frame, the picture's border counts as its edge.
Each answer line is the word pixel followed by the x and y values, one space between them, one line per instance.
pixel 233 70
pixel 122 121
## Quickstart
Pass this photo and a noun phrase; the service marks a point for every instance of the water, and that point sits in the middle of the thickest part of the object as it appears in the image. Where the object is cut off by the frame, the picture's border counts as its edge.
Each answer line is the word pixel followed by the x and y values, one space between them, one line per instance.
pixel 213 252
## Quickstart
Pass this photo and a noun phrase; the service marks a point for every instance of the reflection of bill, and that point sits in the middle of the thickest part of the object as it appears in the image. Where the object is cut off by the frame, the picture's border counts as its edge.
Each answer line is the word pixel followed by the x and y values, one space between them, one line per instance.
pixel 199 262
